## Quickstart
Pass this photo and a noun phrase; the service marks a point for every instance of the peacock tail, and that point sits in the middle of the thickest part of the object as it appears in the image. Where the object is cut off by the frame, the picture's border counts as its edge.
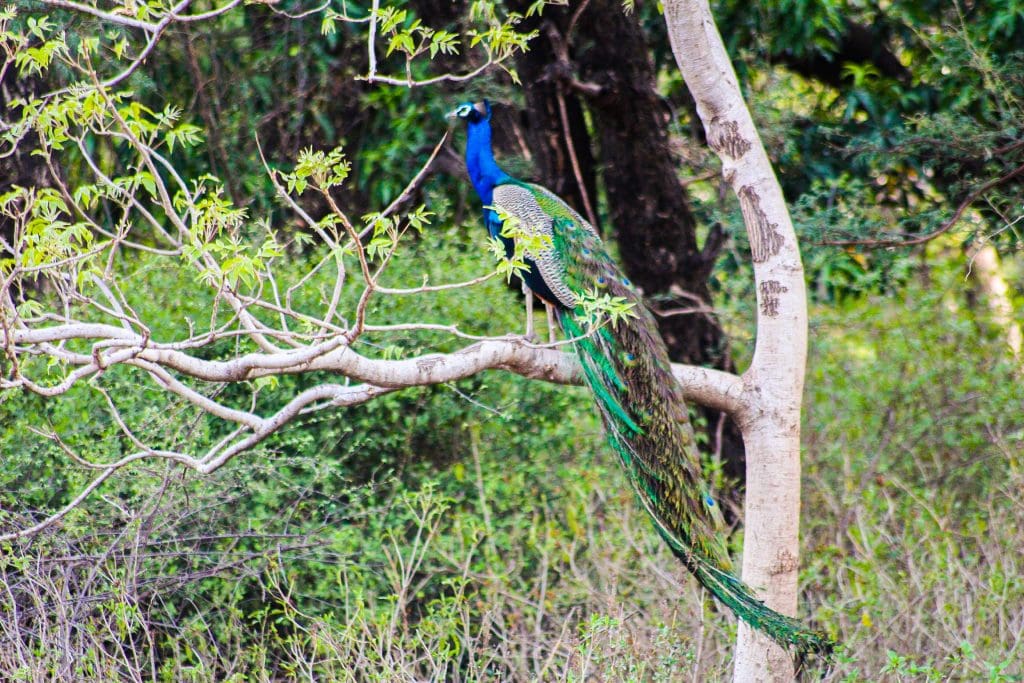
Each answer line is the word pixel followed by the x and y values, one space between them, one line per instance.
pixel 626 365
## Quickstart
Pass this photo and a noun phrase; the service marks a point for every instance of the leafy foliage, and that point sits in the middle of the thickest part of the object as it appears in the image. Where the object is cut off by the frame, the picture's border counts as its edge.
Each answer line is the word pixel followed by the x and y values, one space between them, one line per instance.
pixel 479 530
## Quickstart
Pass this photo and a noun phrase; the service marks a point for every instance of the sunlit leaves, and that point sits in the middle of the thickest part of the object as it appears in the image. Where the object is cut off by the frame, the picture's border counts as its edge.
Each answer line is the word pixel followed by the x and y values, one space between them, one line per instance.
pixel 212 213
pixel 387 230
pixel 501 37
pixel 390 19
pixel 861 74
pixel 492 30
pixel 599 307
pixel 414 38
pixel 536 8
pixel 524 244
pixel 403 41
pixel 11 42
pixel 186 134
pixel 119 47
pixel 47 235
pixel 324 169
pixel 329 22
pixel 87 196
pixel 39 27
pixel 141 120
pixel 88 45
pixel 130 185
pixel 34 48
pixel 419 218
pixel 217 246
pixel 443 42
pixel 35 60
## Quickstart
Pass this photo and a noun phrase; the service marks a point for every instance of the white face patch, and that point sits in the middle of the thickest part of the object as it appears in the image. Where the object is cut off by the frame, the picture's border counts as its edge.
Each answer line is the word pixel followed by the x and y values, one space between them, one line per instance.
pixel 462 111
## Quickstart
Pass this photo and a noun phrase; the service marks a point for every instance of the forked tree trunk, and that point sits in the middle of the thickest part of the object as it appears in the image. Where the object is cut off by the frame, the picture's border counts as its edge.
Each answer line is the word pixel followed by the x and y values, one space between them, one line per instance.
pixel 772 386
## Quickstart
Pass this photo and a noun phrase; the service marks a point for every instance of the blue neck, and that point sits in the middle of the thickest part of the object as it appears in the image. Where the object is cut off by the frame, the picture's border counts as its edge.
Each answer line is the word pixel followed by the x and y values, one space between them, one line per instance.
pixel 483 170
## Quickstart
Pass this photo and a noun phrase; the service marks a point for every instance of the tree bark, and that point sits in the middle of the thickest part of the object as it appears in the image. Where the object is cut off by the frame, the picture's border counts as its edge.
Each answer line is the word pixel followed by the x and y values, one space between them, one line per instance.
pixel 556 129
pixel 988 274
pixel 774 382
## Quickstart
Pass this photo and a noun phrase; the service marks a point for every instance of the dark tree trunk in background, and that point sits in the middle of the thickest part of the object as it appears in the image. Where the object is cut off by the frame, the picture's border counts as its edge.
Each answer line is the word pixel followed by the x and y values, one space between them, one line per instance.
pixel 20 168
pixel 550 107
pixel 607 63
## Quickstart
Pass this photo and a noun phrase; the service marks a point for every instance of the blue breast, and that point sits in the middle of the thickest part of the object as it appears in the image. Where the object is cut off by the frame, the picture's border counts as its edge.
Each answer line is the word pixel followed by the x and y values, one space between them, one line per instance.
pixel 485 174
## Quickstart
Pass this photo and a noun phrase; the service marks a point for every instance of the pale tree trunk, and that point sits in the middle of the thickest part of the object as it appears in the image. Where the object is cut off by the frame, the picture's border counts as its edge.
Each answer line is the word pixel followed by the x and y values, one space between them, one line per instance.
pixel 772 387
pixel 987 272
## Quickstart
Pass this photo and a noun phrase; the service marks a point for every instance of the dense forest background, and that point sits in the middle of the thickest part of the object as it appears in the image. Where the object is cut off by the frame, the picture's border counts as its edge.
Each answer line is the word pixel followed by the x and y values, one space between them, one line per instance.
pixel 481 530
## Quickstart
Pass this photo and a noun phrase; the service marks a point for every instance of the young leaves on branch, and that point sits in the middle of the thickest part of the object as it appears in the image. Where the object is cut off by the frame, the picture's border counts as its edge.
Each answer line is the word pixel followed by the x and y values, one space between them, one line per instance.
pixel 525 243
pixel 324 169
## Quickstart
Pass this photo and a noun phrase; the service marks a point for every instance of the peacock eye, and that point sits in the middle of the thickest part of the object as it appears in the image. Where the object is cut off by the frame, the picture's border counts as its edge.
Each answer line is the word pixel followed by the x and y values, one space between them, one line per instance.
pixel 602 281
pixel 626 282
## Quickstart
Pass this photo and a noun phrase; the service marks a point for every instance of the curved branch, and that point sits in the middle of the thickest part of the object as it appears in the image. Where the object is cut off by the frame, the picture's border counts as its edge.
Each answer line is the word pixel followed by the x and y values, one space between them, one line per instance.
pixel 942 229
pixel 412 82
pixel 113 344
pixel 203 16
pixel 437 288
pixel 722 390
pixel 716 389
pixel 100 14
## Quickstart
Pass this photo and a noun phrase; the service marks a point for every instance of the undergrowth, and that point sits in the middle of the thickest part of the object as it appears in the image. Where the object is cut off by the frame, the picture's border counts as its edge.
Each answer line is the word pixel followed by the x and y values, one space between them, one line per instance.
pixel 431 537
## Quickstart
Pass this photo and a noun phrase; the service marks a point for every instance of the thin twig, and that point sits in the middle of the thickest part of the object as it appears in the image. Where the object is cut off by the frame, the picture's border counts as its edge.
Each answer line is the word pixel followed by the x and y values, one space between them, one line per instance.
pixel 953 220
pixel 437 288
pixel 409 187
pixel 105 16
pixel 412 83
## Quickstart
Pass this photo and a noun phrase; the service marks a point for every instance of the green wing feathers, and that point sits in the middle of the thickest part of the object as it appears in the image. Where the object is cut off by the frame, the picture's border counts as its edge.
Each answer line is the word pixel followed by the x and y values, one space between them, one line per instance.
pixel 627 368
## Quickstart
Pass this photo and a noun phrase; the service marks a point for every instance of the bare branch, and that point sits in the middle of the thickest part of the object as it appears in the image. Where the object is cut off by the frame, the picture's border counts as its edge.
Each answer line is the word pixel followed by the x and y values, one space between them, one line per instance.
pixel 911 240
pixel 412 185
pixel 716 389
pixel 712 387
pixel 410 82
pixel 320 8
pixel 437 288
pixel 203 16
pixel 109 17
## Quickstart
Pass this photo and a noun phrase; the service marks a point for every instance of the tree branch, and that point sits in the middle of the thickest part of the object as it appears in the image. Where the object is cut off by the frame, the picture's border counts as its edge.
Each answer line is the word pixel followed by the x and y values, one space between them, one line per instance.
pixel 774 382
pixel 105 16
pixel 911 240
pixel 719 389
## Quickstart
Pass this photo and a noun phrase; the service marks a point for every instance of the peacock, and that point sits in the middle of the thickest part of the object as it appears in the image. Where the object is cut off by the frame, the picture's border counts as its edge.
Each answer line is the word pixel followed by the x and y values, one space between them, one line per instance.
pixel 626 365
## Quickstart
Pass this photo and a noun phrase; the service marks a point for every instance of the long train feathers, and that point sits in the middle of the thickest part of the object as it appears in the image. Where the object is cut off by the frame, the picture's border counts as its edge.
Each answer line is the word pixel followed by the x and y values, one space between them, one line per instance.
pixel 627 368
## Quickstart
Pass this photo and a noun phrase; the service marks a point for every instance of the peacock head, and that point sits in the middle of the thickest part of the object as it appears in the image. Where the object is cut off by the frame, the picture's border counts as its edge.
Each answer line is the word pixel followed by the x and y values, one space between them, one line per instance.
pixel 473 112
